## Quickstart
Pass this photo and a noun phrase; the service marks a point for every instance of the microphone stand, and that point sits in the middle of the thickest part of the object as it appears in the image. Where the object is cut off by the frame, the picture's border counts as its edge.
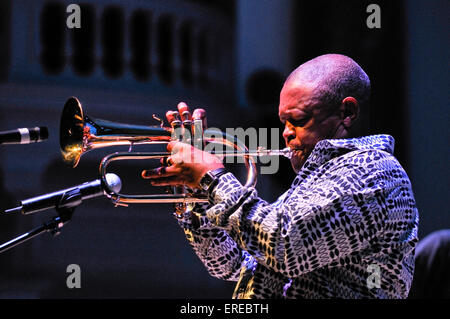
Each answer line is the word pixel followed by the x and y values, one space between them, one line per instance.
pixel 65 209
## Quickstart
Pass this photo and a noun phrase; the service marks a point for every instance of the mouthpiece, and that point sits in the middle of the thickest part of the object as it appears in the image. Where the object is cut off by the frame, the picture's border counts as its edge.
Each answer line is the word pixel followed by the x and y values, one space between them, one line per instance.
pixel 286 152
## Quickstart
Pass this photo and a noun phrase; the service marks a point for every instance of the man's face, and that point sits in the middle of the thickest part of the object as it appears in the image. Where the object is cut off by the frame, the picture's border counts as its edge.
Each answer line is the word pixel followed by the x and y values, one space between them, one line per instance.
pixel 306 121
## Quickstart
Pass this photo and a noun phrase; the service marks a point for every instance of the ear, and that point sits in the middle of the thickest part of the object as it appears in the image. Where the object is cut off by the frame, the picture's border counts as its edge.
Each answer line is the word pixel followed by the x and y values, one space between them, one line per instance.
pixel 349 111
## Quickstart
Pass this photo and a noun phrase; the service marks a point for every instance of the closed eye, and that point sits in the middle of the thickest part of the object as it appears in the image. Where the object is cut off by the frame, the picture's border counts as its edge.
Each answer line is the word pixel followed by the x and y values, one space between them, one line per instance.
pixel 298 122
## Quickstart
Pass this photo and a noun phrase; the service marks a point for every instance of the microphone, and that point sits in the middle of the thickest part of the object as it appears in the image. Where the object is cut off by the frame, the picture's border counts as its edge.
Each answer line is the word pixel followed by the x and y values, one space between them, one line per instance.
pixel 24 135
pixel 67 198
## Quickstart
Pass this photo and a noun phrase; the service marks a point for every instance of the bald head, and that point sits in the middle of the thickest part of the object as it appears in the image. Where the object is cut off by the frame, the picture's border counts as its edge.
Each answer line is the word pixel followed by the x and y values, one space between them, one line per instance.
pixel 333 77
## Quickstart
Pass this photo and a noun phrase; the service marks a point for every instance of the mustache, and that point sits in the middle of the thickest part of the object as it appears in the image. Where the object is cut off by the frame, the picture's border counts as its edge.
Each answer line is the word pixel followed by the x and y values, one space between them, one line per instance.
pixel 293 146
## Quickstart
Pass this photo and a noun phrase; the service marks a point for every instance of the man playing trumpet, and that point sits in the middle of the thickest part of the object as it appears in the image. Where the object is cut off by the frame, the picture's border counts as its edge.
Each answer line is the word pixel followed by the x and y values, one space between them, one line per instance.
pixel 346 228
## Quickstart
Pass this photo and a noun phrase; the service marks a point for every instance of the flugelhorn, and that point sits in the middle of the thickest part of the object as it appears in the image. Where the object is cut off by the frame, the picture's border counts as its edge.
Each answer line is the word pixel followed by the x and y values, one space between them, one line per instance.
pixel 80 133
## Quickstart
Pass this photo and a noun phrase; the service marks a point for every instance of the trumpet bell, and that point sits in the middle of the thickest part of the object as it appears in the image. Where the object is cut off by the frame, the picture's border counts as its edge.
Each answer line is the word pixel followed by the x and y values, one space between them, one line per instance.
pixel 71 131
pixel 80 133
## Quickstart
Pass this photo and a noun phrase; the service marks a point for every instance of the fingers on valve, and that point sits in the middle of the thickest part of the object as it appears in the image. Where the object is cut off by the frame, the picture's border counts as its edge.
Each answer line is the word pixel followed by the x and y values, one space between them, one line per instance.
pixel 171 116
pixel 183 110
pixel 200 114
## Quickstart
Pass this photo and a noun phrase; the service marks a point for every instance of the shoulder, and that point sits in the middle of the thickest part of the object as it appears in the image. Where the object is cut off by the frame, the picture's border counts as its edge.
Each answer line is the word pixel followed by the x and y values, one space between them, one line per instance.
pixel 367 171
pixel 368 161
pixel 365 157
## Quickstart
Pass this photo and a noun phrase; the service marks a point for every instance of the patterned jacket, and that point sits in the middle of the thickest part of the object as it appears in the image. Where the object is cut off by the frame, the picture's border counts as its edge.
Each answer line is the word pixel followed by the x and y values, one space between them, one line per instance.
pixel 346 228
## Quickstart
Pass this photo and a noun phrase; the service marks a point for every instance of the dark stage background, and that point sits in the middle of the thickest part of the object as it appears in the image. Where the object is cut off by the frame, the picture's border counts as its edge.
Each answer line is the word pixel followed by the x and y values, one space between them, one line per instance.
pixel 132 59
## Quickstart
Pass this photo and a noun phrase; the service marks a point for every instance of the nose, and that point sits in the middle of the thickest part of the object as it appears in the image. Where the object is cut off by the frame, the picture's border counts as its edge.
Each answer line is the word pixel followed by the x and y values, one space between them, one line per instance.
pixel 288 133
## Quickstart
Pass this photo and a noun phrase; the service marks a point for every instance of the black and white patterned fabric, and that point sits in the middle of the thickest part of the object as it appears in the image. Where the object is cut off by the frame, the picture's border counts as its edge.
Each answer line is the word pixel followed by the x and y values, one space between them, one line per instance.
pixel 346 228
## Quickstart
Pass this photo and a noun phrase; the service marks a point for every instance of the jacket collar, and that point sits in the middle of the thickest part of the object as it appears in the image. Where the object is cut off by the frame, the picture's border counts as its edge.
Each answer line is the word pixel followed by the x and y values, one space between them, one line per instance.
pixel 326 150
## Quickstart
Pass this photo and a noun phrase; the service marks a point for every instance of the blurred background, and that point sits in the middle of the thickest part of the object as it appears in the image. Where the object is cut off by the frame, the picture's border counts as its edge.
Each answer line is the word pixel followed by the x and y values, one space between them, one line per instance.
pixel 131 59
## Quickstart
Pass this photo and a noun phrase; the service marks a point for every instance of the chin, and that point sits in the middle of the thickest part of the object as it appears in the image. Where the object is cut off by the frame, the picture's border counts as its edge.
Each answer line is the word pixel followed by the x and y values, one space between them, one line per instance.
pixel 297 166
pixel 297 170
pixel 299 160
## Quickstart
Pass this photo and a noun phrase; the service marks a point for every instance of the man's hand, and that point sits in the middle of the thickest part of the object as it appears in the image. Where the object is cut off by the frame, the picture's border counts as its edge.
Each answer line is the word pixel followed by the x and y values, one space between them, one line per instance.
pixel 187 164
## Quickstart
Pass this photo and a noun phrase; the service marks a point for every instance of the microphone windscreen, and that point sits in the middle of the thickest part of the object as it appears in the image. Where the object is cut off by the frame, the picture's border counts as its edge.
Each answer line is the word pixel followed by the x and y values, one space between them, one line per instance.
pixel 114 182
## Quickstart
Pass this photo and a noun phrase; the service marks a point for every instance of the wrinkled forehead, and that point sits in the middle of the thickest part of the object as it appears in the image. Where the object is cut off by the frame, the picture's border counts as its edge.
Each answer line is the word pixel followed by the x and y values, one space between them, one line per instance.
pixel 296 97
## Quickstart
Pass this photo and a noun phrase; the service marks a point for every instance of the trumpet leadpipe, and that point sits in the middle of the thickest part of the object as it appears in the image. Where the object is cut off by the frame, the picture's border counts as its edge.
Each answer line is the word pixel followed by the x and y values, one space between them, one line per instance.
pixel 286 152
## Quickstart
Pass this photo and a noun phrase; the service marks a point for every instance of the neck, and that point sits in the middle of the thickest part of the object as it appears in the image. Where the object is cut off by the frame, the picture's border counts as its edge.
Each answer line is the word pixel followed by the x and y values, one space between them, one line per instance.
pixel 340 132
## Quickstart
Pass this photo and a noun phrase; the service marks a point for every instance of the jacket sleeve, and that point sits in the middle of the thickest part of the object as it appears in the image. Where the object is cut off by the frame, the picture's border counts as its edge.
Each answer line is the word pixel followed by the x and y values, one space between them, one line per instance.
pixel 333 217
pixel 215 248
